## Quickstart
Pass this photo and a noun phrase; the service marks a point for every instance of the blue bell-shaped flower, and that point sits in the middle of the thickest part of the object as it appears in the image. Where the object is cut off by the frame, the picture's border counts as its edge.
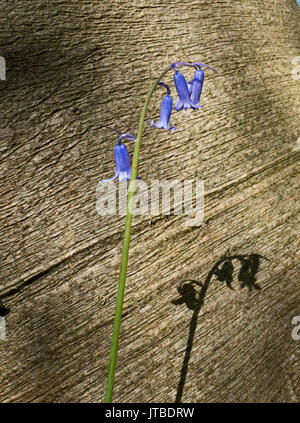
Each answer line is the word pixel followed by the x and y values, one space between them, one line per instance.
pixel 122 161
pixel 184 101
pixel 165 114
pixel 165 111
pixel 195 86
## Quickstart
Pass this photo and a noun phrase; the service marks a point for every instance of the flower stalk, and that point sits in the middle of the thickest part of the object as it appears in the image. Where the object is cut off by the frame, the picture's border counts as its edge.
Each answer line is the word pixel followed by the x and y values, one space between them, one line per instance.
pixel 124 260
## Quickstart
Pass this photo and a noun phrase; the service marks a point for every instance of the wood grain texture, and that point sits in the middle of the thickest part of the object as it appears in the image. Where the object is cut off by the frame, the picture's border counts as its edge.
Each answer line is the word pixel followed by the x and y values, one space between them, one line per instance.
pixel 73 65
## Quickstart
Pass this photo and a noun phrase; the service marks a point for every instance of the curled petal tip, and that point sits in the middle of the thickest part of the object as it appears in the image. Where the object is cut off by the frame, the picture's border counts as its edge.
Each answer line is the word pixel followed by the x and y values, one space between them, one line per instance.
pixel 111 179
pixel 127 136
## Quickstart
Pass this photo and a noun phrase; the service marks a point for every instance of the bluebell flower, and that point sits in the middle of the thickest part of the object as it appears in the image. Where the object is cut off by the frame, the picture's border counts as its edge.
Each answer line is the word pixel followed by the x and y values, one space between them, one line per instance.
pixel 195 86
pixel 123 168
pixel 184 101
pixel 165 111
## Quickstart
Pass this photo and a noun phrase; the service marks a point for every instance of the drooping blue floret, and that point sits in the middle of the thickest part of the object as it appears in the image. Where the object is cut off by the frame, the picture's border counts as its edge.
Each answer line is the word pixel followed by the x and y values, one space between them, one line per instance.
pixel 165 111
pixel 184 101
pixel 195 86
pixel 165 114
pixel 123 168
pixel 122 161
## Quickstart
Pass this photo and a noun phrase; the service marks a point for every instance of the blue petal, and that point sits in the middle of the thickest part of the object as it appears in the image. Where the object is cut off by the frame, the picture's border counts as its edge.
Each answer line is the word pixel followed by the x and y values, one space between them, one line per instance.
pixel 121 158
pixel 181 86
pixel 165 114
pixel 178 105
pixel 183 93
pixel 156 125
pixel 197 85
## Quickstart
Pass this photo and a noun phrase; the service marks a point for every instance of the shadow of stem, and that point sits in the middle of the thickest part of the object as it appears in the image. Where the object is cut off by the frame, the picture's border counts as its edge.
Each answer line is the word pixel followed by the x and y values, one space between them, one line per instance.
pixel 194 300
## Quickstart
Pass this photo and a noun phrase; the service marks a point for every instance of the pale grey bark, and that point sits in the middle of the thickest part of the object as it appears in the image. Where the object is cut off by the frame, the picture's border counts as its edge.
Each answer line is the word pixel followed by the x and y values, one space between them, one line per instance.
pixel 72 65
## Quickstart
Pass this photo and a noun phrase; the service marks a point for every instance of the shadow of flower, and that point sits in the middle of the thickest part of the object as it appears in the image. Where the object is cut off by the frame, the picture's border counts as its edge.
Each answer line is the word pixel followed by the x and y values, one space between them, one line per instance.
pixel 192 294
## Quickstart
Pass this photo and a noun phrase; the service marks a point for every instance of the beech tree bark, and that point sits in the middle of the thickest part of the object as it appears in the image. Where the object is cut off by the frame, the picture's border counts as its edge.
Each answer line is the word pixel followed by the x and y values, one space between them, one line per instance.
pixel 208 309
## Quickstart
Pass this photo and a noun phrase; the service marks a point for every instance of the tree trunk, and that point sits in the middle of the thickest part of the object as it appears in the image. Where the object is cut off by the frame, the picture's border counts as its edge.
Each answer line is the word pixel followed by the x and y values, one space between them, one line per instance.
pixel 208 309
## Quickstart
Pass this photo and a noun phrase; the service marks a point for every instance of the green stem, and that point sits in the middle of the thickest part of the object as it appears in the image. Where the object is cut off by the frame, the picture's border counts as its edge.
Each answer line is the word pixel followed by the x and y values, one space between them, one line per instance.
pixel 126 241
